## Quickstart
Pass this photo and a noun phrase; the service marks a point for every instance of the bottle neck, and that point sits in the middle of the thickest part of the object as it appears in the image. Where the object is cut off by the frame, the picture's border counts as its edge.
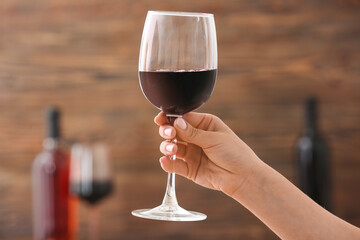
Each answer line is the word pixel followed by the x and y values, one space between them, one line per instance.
pixel 52 128
pixel 310 117
pixel 310 123
pixel 310 132
pixel 51 143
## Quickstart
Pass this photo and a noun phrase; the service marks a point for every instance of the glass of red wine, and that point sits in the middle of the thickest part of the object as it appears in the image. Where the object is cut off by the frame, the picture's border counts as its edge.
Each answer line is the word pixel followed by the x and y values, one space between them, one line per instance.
pixel 90 179
pixel 177 72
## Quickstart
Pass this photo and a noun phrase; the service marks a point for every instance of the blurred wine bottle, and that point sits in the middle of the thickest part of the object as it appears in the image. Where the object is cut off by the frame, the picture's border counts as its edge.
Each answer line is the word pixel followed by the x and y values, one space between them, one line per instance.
pixel 313 159
pixel 53 205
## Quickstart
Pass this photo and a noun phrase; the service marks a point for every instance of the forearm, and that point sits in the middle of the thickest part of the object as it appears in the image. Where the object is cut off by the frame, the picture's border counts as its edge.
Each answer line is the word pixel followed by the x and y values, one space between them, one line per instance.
pixel 287 211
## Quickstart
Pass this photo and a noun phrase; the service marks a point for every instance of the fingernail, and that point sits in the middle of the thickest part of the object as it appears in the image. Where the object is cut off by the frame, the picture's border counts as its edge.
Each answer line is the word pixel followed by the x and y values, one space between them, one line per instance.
pixel 167 132
pixel 180 123
pixel 169 147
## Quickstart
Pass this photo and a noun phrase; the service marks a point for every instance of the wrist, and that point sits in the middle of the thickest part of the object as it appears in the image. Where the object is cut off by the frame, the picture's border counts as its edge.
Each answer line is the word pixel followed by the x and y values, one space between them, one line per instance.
pixel 254 178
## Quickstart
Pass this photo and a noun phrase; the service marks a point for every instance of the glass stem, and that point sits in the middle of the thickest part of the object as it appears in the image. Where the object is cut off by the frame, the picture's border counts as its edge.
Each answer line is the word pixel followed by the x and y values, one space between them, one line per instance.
pixel 170 194
pixel 94 223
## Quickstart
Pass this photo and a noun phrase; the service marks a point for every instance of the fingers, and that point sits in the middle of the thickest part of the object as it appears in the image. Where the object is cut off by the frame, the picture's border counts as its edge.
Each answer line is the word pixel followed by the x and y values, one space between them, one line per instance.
pixel 177 166
pixel 196 128
pixel 161 119
pixel 167 132
pixel 168 148
pixel 205 121
pixel 194 135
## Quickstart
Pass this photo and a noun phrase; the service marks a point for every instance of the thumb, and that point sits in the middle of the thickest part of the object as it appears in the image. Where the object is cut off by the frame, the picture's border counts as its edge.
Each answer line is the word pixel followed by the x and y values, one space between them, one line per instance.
pixel 193 135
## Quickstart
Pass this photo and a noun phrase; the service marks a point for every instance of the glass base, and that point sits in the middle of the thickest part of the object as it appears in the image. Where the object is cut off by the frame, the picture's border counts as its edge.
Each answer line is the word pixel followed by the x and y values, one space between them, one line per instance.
pixel 169 213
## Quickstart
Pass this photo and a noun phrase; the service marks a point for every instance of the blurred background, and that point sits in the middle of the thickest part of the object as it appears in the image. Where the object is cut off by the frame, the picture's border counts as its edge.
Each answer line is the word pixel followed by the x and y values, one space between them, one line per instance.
pixel 82 56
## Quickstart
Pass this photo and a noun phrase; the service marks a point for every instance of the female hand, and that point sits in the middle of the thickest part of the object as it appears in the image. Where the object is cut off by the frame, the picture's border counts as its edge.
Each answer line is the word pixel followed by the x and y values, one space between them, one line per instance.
pixel 216 158
pixel 208 152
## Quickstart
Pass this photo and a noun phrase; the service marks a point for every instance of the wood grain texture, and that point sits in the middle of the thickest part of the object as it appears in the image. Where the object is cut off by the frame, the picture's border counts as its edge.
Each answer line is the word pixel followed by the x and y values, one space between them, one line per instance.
pixel 82 56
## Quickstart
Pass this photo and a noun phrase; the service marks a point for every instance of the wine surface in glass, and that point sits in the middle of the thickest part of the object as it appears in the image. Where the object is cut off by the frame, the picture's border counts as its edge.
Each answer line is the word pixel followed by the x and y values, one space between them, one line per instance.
pixel 178 92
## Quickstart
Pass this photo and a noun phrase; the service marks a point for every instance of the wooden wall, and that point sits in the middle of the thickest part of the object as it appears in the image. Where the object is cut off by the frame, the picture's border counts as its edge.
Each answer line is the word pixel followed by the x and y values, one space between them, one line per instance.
pixel 82 56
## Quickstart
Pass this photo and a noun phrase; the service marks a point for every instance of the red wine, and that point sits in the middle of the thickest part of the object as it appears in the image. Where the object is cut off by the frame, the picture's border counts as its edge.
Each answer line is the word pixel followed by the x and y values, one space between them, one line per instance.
pixel 53 205
pixel 93 192
pixel 178 92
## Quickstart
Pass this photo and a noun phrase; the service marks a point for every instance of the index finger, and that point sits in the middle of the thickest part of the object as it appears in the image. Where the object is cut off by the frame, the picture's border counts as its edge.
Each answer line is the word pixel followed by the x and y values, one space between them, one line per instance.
pixel 161 119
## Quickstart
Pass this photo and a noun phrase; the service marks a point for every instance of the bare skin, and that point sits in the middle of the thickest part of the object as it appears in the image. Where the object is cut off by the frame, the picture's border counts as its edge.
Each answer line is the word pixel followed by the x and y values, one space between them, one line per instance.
pixel 212 155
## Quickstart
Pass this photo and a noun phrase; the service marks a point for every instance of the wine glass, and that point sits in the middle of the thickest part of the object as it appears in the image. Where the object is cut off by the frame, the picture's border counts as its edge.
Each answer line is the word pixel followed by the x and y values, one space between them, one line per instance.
pixel 90 179
pixel 177 72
